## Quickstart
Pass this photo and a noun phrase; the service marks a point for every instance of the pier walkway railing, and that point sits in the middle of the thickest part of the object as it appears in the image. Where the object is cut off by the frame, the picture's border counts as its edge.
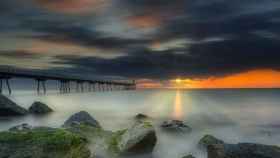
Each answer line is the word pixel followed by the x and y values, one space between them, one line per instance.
pixel 65 81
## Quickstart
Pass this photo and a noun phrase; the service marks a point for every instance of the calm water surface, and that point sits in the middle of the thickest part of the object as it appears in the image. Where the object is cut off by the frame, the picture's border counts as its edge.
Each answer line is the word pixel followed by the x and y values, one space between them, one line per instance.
pixel 232 115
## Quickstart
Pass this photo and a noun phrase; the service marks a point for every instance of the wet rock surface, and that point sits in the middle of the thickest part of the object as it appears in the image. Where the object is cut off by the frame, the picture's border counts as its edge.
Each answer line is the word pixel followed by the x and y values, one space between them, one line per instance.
pixel 140 138
pixel 176 126
pixel 243 150
pixel 81 117
pixel 10 108
pixel 39 108
pixel 209 140
pixel 218 149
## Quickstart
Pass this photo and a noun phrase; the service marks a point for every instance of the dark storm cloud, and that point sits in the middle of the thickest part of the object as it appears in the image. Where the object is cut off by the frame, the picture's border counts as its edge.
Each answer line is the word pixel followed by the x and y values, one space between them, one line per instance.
pixel 206 59
pixel 83 36
pixel 224 37
pixel 18 54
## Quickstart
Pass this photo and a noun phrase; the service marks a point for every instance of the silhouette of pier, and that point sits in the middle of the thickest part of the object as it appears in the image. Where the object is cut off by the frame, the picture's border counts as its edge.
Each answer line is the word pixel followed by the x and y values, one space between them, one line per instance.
pixel 65 81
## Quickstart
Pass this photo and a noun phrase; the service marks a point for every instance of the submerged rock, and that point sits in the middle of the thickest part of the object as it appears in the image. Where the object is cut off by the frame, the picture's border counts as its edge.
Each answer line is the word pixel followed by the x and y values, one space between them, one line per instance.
pixel 188 156
pixel 209 140
pixel 10 108
pixel 243 150
pixel 141 117
pixel 42 143
pixel 176 125
pixel 39 108
pixel 22 127
pixel 82 117
pixel 140 138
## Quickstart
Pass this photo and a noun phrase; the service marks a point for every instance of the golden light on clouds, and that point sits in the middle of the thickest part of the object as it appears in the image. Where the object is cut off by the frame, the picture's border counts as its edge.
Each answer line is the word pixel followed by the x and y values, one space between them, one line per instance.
pixel 73 6
pixel 144 21
pixel 49 48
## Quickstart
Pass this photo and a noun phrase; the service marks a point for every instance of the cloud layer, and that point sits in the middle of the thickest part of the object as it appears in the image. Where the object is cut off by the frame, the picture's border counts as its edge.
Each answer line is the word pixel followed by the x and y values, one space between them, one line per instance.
pixel 151 39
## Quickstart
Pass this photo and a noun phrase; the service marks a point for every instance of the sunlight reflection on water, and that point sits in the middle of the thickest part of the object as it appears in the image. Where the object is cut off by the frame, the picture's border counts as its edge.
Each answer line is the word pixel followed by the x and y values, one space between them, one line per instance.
pixel 178 109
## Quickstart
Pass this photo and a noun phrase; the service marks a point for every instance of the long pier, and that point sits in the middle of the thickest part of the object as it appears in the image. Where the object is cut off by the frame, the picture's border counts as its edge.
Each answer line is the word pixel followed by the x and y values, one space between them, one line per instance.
pixel 65 82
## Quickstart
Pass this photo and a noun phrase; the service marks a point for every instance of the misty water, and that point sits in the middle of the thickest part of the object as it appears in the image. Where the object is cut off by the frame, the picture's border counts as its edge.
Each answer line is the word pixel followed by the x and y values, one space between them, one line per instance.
pixel 231 115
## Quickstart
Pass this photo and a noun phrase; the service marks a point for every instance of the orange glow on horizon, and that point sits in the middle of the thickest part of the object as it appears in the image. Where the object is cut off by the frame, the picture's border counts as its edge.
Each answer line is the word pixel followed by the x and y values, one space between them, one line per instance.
pixel 261 78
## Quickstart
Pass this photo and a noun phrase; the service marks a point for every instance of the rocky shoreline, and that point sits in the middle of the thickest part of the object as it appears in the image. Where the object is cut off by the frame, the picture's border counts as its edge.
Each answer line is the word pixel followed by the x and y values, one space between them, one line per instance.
pixel 82 136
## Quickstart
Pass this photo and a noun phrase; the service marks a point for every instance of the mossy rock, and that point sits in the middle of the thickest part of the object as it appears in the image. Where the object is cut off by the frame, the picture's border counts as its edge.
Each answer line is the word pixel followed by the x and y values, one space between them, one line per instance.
pixel 138 139
pixel 103 141
pixel 209 140
pixel 43 143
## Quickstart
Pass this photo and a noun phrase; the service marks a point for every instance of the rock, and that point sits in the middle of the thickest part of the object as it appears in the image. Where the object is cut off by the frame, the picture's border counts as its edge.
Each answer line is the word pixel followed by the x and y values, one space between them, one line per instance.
pixel 141 117
pixel 188 156
pixel 9 108
pixel 22 127
pixel 243 150
pixel 39 108
pixel 140 138
pixel 209 140
pixel 216 151
pixel 176 125
pixel 42 143
pixel 82 117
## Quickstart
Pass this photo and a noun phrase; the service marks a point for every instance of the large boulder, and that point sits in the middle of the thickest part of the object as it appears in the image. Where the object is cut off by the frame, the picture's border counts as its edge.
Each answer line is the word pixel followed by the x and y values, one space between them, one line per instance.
pixel 39 108
pixel 243 150
pixel 209 140
pixel 42 143
pixel 176 126
pixel 139 139
pixel 9 108
pixel 81 117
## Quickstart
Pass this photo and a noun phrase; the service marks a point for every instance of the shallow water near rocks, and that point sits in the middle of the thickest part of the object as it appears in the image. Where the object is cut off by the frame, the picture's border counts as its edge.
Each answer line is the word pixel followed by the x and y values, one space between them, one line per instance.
pixel 231 115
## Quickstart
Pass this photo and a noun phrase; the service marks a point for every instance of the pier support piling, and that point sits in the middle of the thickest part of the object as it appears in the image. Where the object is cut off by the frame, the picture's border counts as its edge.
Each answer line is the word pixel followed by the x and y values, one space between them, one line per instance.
pixel 8 86
pixel 1 86
pixel 41 82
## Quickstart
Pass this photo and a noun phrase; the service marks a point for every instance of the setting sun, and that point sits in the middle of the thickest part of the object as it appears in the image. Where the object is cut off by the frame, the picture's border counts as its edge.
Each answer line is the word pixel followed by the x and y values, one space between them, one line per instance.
pixel 178 80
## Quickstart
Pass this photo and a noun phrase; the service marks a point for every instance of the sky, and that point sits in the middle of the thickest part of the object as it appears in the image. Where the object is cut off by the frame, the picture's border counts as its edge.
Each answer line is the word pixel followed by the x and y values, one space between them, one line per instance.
pixel 204 43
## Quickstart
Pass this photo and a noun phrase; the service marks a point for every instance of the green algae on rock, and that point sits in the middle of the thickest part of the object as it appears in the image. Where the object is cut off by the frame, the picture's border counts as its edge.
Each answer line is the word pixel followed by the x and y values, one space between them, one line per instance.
pixel 138 139
pixel 43 143
pixel 209 140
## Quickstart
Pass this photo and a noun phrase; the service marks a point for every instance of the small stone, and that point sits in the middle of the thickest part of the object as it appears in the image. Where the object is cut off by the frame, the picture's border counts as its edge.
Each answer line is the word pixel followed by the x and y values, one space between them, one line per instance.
pixel 81 117
pixel 176 125
pixel 188 156
pixel 39 108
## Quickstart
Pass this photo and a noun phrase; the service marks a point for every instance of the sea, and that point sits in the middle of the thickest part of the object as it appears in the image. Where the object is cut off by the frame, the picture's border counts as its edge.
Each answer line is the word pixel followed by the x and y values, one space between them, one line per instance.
pixel 233 115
